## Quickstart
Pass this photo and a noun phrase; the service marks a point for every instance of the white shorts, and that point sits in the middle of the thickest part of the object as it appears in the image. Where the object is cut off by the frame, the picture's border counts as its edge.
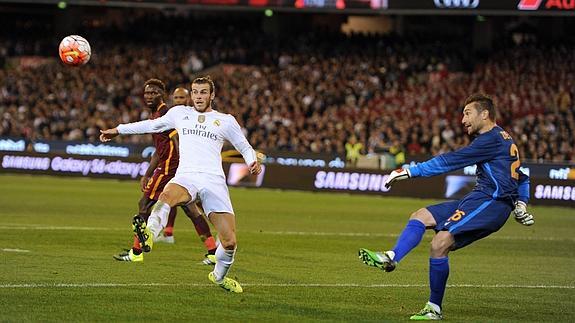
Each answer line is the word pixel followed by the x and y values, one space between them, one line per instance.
pixel 211 189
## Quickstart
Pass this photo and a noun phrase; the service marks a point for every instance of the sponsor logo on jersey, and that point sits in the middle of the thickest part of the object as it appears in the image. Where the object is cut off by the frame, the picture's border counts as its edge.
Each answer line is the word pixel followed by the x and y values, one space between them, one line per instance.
pixel 200 133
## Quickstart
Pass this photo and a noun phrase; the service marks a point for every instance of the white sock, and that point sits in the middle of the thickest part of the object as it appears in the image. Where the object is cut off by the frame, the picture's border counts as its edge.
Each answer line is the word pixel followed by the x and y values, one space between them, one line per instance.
pixel 158 219
pixel 435 307
pixel 224 260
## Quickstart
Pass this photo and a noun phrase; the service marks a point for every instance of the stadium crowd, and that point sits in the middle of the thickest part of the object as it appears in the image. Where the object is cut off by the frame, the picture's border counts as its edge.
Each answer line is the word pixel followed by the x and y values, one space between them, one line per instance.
pixel 308 92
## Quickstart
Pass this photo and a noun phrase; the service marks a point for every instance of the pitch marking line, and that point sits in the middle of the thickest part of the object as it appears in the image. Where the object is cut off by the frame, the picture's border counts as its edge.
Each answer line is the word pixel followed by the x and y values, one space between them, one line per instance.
pixel 10 226
pixel 106 285
pixel 63 228
pixel 14 250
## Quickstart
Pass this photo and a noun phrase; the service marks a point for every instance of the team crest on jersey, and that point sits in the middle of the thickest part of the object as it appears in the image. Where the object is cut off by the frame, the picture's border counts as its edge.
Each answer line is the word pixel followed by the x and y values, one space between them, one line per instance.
pixel 201 118
pixel 217 123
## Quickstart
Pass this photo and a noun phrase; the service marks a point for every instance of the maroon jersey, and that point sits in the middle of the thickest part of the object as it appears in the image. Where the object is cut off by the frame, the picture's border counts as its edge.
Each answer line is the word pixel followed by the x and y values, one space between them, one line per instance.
pixel 165 148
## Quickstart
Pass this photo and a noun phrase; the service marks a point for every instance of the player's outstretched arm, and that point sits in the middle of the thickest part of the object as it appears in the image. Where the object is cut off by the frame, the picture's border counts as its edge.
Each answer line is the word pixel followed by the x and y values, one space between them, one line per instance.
pixel 481 149
pixel 521 215
pixel 166 122
pixel 397 175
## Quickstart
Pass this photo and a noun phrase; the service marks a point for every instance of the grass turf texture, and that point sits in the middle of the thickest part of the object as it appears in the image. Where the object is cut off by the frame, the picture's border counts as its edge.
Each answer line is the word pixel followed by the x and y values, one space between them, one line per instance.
pixel 72 227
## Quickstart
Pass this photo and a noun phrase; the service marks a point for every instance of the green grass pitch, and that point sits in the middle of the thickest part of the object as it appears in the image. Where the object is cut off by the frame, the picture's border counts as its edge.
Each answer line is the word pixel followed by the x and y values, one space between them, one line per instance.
pixel 297 261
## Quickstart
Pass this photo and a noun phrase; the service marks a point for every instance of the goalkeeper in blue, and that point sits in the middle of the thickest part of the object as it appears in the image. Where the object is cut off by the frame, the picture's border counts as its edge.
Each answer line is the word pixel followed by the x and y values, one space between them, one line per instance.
pixel 501 189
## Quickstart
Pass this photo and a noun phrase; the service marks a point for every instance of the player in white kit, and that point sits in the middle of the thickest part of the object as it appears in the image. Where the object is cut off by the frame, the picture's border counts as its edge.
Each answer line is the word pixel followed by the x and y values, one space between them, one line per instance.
pixel 202 132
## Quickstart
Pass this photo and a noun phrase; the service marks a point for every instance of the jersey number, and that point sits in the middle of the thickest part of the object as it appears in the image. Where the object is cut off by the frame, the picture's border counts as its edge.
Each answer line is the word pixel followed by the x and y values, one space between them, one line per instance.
pixel 457 216
pixel 514 152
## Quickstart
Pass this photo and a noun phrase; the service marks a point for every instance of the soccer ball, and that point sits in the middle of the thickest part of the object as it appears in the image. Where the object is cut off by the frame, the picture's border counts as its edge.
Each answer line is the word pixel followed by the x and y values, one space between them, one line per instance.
pixel 75 50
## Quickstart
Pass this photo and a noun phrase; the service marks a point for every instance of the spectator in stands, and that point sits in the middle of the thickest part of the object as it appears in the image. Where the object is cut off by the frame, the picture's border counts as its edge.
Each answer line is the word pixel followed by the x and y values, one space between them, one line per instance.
pixel 353 150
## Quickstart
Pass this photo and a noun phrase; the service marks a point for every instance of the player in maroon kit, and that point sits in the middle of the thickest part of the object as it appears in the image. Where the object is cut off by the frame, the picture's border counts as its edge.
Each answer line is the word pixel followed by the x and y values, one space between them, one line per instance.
pixel 162 168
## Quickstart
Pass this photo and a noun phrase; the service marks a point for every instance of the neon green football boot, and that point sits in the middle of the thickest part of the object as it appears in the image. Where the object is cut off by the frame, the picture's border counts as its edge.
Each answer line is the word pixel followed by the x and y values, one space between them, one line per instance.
pixel 129 255
pixel 427 314
pixel 226 283
pixel 381 260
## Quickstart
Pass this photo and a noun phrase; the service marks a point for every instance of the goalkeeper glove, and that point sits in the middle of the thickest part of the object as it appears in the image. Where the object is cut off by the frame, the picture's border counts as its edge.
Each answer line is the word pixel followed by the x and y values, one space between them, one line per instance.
pixel 397 175
pixel 521 214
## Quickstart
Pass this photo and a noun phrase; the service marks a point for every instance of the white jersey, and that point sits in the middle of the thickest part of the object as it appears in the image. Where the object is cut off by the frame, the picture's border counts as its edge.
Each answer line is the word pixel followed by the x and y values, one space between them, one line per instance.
pixel 201 136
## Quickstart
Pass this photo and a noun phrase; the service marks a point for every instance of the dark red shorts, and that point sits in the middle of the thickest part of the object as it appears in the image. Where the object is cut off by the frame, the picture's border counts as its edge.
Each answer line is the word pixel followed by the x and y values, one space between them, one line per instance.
pixel 156 184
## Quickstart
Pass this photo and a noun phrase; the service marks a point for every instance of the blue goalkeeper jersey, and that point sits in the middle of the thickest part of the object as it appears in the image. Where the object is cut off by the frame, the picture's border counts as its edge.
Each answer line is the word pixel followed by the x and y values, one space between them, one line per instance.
pixel 497 160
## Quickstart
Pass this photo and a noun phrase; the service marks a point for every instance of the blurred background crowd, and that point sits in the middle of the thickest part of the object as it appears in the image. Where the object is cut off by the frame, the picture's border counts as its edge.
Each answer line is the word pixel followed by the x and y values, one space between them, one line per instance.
pixel 322 91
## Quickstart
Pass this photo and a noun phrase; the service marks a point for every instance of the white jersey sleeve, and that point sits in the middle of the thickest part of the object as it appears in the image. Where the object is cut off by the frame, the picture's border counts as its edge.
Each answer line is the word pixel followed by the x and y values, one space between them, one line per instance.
pixel 236 137
pixel 164 123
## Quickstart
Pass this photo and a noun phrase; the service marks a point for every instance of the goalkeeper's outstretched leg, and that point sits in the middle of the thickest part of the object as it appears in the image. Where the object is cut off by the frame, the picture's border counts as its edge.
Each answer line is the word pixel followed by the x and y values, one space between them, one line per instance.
pixel 382 260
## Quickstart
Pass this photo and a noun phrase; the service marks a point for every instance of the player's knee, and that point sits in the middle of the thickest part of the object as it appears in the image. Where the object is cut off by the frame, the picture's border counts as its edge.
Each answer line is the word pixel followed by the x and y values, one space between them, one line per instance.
pixel 437 245
pixel 424 217
pixel 144 207
pixel 142 211
pixel 229 244
pixel 441 244
pixel 165 197
pixel 168 198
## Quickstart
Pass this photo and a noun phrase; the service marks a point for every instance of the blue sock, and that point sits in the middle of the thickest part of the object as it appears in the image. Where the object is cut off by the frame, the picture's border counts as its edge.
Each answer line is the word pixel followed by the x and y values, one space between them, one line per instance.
pixel 438 273
pixel 409 239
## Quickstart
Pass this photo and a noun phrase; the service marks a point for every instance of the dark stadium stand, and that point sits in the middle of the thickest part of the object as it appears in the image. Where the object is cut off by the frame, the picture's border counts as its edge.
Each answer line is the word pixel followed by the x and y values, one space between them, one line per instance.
pixel 306 92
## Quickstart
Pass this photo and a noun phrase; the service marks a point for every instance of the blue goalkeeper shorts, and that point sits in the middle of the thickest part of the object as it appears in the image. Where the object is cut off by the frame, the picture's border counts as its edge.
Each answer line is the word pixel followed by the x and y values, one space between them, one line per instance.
pixel 474 217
